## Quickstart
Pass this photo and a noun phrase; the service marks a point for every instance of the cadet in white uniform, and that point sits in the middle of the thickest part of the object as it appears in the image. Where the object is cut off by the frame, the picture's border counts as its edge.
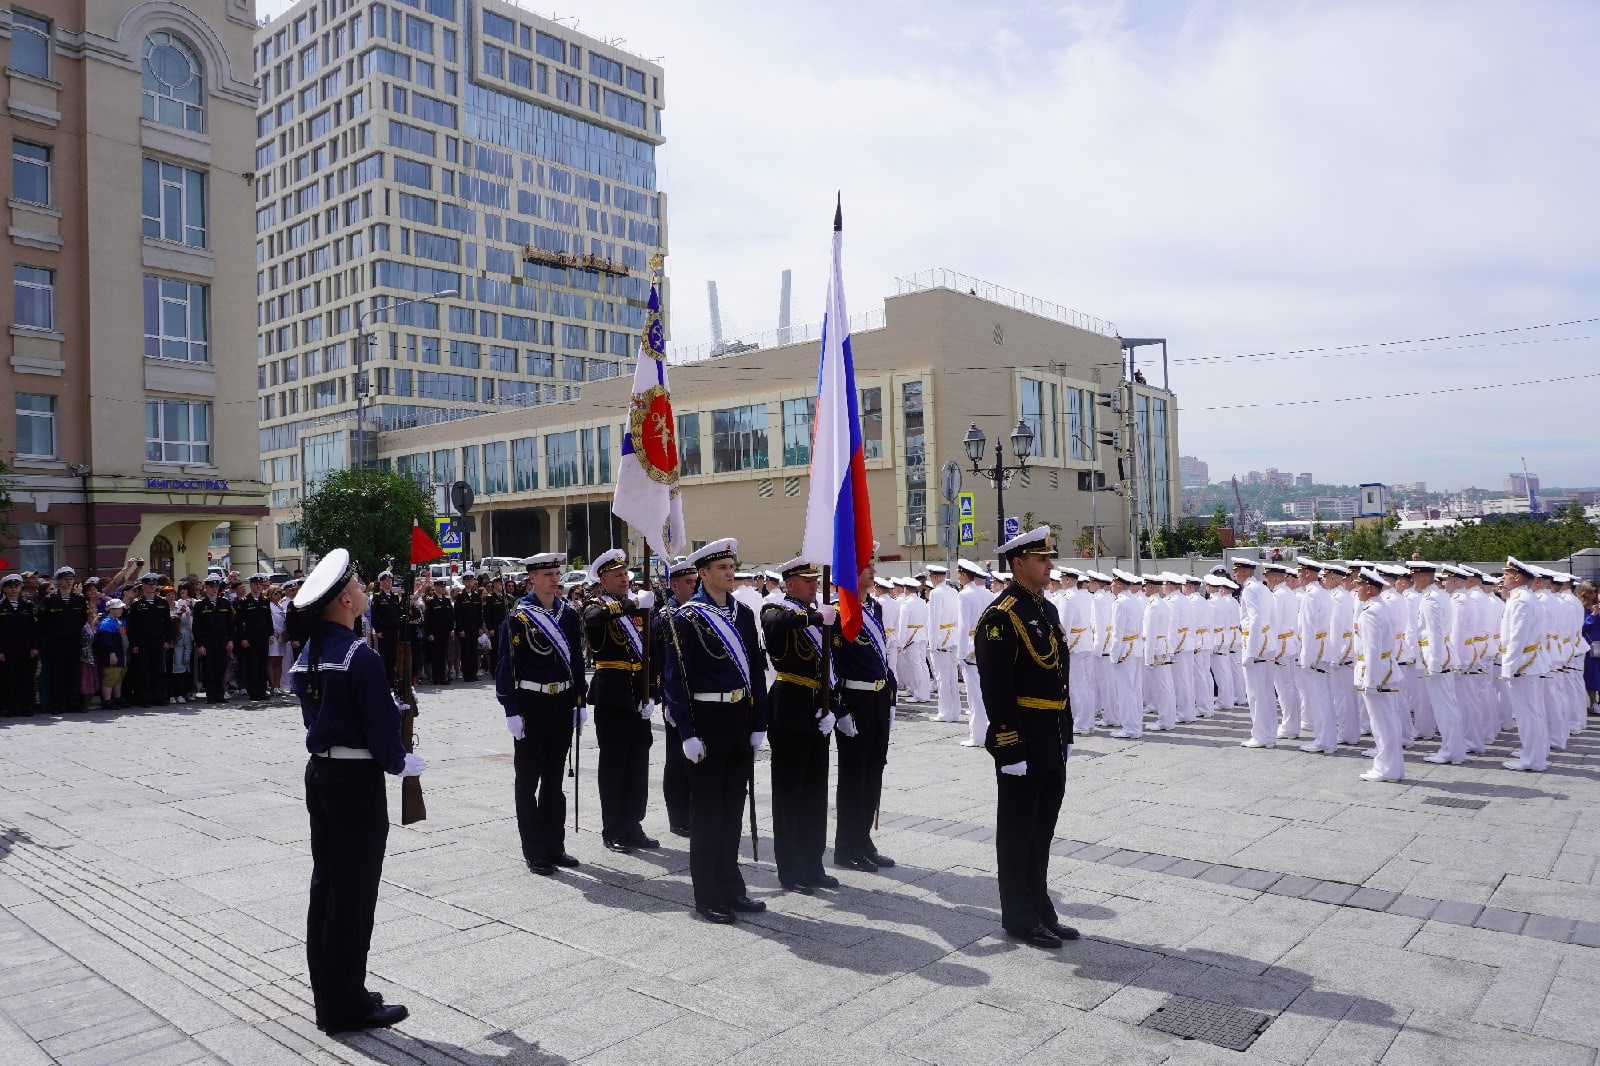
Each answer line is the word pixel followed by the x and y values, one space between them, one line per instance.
pixel 1435 681
pixel 1314 623
pixel 1202 697
pixel 973 599
pixel 1286 654
pixel 1156 637
pixel 1340 583
pixel 944 641
pixel 1125 711
pixel 1522 638
pixel 915 680
pixel 1375 677
pixel 1223 610
pixel 1074 608
pixel 1257 611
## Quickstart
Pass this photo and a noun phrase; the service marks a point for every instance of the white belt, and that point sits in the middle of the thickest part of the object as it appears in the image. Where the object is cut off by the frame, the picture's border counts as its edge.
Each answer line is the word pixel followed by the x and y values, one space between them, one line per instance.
pixel 866 686
pixel 720 697
pixel 550 690
pixel 340 752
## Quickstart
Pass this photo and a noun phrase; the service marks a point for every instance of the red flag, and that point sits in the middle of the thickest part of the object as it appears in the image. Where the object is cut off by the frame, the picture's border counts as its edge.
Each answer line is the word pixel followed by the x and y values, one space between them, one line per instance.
pixel 423 548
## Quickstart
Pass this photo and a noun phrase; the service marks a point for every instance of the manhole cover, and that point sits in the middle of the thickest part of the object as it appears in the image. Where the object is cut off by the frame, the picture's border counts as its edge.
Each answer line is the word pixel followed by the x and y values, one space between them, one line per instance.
pixel 1234 1028
pixel 1456 801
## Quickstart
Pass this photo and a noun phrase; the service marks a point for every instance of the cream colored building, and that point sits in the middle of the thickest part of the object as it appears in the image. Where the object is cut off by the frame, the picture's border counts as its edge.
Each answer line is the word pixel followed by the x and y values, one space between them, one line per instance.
pixel 131 125
pixel 468 147
pixel 932 361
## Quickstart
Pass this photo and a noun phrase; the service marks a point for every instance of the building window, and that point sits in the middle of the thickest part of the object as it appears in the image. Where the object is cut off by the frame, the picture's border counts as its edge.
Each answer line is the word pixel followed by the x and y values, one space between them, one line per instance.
pixel 525 464
pixel 916 455
pixel 30 44
pixel 177 431
pixel 1080 424
pixel 30 172
pixel 872 423
pixel 797 419
pixel 471 466
pixel 739 439
pixel 172 83
pixel 175 320
pixel 603 453
pixel 35 290
pixel 36 426
pixel 174 203
pixel 689 444
pixel 494 467
pixel 1038 410
pixel 444 467
pixel 561 453
pixel 36 547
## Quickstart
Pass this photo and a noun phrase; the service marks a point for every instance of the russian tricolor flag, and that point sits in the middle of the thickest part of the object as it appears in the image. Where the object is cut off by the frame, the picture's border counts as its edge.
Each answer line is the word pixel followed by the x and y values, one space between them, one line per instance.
pixel 838 512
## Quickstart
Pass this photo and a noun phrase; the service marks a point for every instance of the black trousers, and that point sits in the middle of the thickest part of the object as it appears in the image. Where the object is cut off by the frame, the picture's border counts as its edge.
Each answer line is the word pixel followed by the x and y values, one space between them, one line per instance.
pixel 540 762
pixel 861 762
pixel 386 652
pixel 212 668
pixel 253 668
pixel 717 787
pixel 63 660
pixel 349 830
pixel 147 673
pixel 799 804
pixel 438 666
pixel 1025 823
pixel 16 681
pixel 624 770
pixel 675 780
pixel 467 647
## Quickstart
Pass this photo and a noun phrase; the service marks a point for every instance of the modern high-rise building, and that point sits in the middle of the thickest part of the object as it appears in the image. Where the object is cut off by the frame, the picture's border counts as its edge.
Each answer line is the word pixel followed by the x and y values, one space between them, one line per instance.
pixel 1522 485
pixel 129 206
pixel 488 168
pixel 1193 472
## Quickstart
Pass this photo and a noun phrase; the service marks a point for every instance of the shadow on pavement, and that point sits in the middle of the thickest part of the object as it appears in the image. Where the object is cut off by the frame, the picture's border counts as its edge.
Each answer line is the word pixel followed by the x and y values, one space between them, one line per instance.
pixel 518 1052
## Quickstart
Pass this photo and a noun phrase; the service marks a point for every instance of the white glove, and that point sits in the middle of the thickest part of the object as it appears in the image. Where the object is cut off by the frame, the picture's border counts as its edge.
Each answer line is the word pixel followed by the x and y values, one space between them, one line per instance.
pixel 829 613
pixel 1015 769
pixel 647 709
pixel 693 749
pixel 1069 752
pixel 514 726
pixel 755 742
pixel 414 766
pixel 825 723
pixel 645 600
pixel 402 707
pixel 580 716
pixel 847 725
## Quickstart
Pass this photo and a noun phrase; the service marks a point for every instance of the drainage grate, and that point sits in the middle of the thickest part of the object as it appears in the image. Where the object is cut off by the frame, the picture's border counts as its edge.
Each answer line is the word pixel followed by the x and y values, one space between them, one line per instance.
pixel 1234 1028
pixel 1456 801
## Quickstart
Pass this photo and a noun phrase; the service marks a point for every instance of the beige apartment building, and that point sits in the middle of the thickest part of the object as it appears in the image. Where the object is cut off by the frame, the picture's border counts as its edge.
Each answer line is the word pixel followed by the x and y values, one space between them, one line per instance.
pixel 128 237
pixel 463 189
pixel 946 352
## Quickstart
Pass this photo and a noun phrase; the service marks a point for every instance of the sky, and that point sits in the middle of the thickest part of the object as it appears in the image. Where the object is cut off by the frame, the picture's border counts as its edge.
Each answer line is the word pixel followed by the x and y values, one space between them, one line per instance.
pixel 1309 200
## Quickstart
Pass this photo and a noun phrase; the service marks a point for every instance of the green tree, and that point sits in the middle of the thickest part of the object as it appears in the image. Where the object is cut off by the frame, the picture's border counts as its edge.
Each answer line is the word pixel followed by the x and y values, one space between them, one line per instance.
pixel 369 512
pixel 1365 543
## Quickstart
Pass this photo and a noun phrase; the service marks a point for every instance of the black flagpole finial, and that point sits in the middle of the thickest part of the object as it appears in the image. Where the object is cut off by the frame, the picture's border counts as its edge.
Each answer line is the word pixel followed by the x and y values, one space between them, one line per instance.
pixel 838 213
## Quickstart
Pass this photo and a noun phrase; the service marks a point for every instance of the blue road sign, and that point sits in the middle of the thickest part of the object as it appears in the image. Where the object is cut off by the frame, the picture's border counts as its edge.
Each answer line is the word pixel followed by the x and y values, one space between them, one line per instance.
pixel 968 533
pixel 1013 527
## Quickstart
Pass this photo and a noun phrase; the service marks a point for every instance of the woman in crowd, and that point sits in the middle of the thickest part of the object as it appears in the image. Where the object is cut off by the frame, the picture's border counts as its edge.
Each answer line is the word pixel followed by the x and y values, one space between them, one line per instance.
pixel 180 685
pixel 278 645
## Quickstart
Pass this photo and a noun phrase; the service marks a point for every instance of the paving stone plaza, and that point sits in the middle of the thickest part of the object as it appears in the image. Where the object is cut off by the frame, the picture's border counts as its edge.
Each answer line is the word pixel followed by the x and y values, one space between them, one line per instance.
pixel 153 872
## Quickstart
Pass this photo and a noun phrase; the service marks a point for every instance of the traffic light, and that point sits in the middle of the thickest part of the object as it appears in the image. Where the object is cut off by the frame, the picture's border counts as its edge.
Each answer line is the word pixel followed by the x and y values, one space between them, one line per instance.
pixel 1111 399
pixel 1110 438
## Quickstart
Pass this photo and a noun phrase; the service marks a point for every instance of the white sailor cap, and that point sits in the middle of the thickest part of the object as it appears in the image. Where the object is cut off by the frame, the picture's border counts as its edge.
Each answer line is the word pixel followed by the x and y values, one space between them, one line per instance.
pixel 1219 569
pixel 1335 568
pixel 326 581
pixel 386 574
pixel 1391 570
pixel 1452 570
pixel 66 571
pixel 883 582
pixel 1035 541
pixel 1513 563
pixel 1217 581
pixel 935 568
pixel 10 579
pixel 1423 564
pixel 1489 579
pixel 716 551
pixel 1561 577
pixel 908 582
pixel 679 567
pixel 543 561
pixel 150 579
pixel 261 577
pixel 1003 575
pixel 1121 575
pixel 112 604
pixel 743 575
pixel 1372 577
pixel 971 567
pixel 773 575
pixel 1305 563
pixel 1071 573
pixel 1190 579
pixel 1246 562
pixel 605 562
pixel 1055 575
pixel 1095 575
pixel 212 579
pixel 799 566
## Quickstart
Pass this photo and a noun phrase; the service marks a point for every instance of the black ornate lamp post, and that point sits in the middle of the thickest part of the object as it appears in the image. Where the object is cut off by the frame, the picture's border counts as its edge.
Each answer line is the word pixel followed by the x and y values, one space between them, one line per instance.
pixel 999 474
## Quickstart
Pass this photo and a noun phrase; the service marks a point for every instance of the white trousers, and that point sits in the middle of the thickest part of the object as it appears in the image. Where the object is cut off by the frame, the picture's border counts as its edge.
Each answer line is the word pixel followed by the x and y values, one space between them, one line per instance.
pixel 1160 685
pixel 1389 732
pixel 979 727
pixel 1263 704
pixel 1081 691
pixel 1222 674
pixel 1316 691
pixel 916 679
pixel 1439 691
pixel 1286 685
pixel 1533 728
pixel 1182 688
pixel 1127 710
pixel 1205 695
pixel 1346 707
pixel 945 673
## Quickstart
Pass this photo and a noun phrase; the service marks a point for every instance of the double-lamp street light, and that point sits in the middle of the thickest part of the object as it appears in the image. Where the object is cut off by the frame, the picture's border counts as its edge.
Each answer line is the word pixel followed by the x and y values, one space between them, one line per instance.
pixel 999 474
pixel 361 355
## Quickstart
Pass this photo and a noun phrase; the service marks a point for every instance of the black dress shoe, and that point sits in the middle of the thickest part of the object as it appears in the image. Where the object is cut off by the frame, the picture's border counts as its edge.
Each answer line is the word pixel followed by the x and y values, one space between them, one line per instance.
pixel 377 998
pixel 381 1018
pixel 1065 932
pixel 565 859
pixel 860 862
pixel 613 844
pixel 824 881
pixel 678 830
pixel 1038 936
pixel 797 886
pixel 542 867
pixel 642 841
pixel 715 915
pixel 881 860
pixel 746 905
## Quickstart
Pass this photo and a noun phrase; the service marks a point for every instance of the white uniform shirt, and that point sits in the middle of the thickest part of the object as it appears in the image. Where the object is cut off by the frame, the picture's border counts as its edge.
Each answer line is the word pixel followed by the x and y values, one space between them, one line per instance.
pixel 913 620
pixel 1257 614
pixel 944 618
pixel 973 599
pixel 1156 633
pixel 1521 635
pixel 1314 625
pixel 1435 619
pixel 1074 608
pixel 1375 642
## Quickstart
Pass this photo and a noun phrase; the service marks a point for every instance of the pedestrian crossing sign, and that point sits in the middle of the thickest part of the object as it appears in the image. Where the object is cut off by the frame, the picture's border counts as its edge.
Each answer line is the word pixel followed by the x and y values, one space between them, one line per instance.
pixel 449 537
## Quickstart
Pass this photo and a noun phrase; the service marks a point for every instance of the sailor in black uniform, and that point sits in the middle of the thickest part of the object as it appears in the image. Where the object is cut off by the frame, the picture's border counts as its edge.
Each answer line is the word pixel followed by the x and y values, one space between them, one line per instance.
pixel 62 616
pixel 682 581
pixel 613 627
pixel 387 605
pixel 867 689
pixel 353 735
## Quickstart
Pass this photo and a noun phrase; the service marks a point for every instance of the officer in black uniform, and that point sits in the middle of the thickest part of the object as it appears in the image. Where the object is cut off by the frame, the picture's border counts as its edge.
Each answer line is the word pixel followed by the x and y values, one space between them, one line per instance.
pixel 495 609
pixel 213 639
pixel 682 580
pixel 714 685
pixel 19 649
pixel 1023 674
pixel 439 620
pixel 387 605
pixel 613 627
pixel 252 618
pixel 867 689
pixel 801 728
pixel 353 735
pixel 469 625
pixel 149 622
pixel 540 683
pixel 62 616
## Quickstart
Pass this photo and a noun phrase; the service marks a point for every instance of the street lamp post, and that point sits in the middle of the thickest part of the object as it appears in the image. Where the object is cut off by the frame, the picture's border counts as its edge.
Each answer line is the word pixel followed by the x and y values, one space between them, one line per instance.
pixel 361 356
pixel 999 474
pixel 1094 495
